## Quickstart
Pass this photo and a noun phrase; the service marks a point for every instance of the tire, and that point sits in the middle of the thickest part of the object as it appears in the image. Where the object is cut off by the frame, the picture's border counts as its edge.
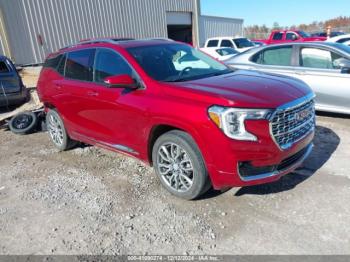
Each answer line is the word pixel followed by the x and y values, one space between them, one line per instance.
pixel 179 165
pixel 57 131
pixel 23 123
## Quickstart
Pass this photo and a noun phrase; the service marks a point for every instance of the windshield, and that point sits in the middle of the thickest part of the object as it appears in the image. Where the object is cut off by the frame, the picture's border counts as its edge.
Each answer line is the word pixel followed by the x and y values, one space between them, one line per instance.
pixel 303 34
pixel 243 42
pixel 176 62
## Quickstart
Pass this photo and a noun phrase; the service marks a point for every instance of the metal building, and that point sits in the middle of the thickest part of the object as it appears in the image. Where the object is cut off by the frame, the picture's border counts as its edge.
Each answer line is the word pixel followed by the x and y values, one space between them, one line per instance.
pixel 30 29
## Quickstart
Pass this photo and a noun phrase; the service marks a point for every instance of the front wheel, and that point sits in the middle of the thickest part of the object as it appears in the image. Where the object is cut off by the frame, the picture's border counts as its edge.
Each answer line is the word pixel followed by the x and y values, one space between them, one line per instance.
pixel 179 165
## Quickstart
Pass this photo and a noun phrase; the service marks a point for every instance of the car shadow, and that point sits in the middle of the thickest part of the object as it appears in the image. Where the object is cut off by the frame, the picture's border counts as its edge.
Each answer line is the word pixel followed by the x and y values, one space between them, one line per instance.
pixel 325 143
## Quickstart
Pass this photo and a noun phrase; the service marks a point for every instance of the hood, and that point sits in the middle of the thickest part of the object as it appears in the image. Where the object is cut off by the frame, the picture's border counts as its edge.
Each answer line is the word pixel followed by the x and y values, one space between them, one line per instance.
pixel 246 89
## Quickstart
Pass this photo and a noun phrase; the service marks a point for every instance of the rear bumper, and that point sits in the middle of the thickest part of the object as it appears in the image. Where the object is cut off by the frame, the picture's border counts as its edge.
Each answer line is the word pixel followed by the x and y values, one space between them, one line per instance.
pixel 13 98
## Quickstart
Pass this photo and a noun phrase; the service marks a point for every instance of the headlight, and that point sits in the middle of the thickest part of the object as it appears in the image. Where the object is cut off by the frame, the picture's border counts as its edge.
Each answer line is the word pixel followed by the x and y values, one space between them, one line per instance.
pixel 231 120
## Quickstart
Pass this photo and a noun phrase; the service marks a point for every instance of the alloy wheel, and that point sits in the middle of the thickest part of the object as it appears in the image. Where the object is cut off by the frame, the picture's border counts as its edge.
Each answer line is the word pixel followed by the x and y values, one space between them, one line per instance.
pixel 175 167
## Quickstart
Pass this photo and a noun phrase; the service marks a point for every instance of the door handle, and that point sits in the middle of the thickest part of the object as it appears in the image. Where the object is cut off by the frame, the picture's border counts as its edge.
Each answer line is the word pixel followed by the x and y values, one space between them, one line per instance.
pixel 92 93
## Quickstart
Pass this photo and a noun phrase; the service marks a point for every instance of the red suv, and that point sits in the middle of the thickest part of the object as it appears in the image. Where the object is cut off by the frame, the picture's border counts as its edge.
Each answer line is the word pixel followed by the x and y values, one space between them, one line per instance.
pixel 198 122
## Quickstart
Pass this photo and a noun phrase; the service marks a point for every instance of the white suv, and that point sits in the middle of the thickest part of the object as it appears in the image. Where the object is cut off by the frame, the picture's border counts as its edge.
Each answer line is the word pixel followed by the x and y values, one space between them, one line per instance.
pixel 240 44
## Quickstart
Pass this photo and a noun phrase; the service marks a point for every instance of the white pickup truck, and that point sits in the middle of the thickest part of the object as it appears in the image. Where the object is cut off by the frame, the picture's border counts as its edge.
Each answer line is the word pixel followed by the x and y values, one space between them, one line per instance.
pixel 239 44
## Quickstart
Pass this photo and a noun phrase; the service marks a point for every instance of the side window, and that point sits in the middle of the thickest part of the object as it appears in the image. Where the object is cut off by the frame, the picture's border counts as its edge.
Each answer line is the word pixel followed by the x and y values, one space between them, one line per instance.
pixel 277 36
pixel 291 36
pixel 280 56
pixel 226 43
pixel 53 62
pixel 3 67
pixel 109 63
pixel 79 64
pixel 213 43
pixel 318 58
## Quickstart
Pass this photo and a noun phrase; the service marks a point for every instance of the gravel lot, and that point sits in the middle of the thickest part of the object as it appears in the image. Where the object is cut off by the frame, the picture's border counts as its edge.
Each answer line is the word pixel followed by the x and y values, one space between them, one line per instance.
pixel 91 201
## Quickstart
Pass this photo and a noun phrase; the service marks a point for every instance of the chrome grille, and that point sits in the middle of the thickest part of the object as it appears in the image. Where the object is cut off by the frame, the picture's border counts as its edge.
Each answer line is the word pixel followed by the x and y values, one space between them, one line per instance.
pixel 293 123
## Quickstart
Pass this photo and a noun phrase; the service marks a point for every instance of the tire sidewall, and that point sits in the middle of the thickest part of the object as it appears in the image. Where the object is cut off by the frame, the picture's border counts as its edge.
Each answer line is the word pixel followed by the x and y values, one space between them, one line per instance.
pixel 200 175
pixel 64 144
pixel 26 130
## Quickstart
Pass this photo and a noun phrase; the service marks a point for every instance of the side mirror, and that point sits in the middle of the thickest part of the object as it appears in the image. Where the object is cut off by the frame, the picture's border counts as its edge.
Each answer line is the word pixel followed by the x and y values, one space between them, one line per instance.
pixel 121 81
pixel 294 38
pixel 343 64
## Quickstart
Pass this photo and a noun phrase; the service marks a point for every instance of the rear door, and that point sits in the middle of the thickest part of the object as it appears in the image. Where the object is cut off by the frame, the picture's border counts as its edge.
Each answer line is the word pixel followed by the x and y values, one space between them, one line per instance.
pixel 277 60
pixel 73 92
pixel 318 68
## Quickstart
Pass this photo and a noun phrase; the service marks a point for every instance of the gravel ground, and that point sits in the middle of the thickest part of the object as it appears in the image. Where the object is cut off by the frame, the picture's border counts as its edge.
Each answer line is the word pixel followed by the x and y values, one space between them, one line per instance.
pixel 91 201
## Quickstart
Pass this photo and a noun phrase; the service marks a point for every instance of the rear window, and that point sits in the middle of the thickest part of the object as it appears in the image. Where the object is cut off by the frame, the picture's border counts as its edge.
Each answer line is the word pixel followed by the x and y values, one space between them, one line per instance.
pixel 3 67
pixel 213 43
pixel 343 40
pixel 79 65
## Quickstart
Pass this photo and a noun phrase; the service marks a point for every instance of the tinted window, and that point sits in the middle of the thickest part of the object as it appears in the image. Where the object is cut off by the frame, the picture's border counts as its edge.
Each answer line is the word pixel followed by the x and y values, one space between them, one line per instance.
pixel 343 40
pixel 277 36
pixel 53 62
pixel 291 36
pixel 79 64
pixel 213 43
pixel 61 64
pixel 277 56
pixel 226 43
pixel 318 58
pixel 243 43
pixel 109 63
pixel 3 67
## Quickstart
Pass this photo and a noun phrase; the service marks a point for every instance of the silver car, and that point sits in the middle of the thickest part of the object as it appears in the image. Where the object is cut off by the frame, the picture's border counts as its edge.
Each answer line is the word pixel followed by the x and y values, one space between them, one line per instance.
pixel 325 67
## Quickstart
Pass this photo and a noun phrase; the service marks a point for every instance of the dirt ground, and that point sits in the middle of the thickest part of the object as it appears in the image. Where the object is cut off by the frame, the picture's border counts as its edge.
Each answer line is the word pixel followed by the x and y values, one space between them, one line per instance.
pixel 91 201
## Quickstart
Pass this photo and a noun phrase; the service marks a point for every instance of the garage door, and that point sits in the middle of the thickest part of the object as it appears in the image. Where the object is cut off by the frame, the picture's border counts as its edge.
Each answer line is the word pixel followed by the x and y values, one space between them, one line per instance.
pixel 179 26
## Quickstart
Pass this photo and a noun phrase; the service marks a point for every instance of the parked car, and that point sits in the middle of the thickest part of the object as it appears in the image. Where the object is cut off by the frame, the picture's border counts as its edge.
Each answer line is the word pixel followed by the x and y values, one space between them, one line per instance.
pixel 283 36
pixel 197 126
pixel 324 34
pixel 324 66
pixel 339 39
pixel 12 90
pixel 240 44
pixel 221 53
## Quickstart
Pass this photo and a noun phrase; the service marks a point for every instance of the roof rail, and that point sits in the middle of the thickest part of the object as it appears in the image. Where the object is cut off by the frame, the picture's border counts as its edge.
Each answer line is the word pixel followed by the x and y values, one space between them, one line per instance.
pixel 96 41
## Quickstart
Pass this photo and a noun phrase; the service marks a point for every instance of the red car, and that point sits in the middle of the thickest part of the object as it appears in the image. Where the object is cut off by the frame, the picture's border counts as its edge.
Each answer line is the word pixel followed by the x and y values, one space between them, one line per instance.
pixel 195 120
pixel 285 36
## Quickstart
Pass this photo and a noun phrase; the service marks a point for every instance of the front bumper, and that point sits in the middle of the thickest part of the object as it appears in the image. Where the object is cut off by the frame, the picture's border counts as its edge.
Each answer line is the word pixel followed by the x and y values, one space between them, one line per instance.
pixel 248 172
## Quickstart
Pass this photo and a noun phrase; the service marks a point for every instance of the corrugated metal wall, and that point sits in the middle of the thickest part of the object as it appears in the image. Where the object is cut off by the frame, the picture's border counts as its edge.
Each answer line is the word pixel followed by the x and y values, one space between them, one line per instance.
pixel 212 26
pixel 63 22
